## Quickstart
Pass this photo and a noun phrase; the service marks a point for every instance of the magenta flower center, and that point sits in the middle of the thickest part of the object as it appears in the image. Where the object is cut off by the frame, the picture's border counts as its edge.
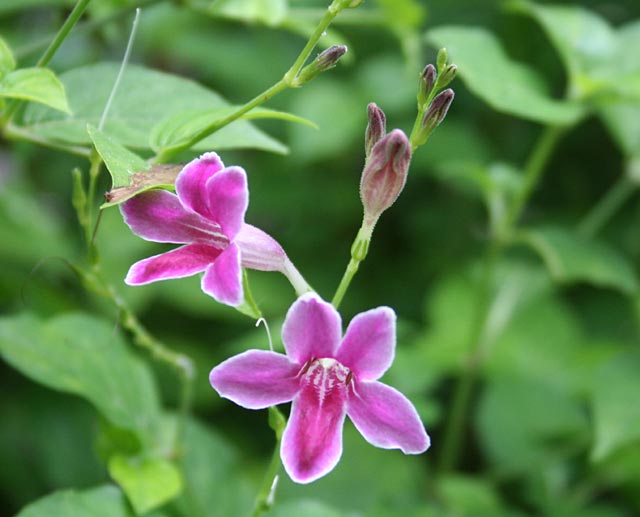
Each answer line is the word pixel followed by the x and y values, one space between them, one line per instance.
pixel 326 378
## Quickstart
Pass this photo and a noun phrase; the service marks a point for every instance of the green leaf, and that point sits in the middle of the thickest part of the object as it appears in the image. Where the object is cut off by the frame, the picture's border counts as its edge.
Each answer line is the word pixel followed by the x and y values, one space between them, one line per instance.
pixel 181 127
pixel 504 84
pixel 37 85
pixel 615 409
pixel 144 98
pixel 467 496
pixel 572 258
pixel 268 12
pixel 308 508
pixel 7 62
pixel 148 482
pixel 81 354
pixel 585 41
pixel 104 501
pixel 525 423
pixel 120 162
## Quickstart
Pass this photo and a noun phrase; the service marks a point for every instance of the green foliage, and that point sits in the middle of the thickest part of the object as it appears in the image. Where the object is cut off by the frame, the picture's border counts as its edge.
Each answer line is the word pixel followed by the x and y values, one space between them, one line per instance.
pixel 145 98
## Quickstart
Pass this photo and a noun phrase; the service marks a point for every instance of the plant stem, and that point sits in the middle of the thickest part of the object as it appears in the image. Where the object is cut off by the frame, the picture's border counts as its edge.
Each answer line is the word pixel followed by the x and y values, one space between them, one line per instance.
pixel 533 170
pixel 606 207
pixel 450 451
pixel 352 269
pixel 264 500
pixel 64 31
pixel 287 81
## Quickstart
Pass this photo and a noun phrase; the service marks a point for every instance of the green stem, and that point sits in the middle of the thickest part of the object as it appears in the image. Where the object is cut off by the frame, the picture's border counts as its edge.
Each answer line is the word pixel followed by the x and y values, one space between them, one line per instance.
pixel 607 207
pixel 64 31
pixel 352 269
pixel 533 170
pixel 266 495
pixel 287 81
pixel 453 436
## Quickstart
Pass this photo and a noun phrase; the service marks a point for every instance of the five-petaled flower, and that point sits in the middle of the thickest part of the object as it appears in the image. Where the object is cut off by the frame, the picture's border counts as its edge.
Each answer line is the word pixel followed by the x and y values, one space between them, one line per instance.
pixel 207 215
pixel 326 377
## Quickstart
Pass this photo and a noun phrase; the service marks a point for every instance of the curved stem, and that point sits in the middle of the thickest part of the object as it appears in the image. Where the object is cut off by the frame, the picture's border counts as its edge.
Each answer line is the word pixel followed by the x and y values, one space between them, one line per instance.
pixel 533 170
pixel 607 207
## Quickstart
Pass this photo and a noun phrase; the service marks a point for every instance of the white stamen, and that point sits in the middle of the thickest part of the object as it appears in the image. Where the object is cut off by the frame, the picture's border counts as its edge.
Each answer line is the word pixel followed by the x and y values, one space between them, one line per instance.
pixel 266 326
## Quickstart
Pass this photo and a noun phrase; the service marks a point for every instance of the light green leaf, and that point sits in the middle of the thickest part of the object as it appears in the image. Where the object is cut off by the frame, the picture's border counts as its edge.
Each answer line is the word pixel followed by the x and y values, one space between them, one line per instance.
pixel 104 501
pixel 467 496
pixel 268 12
pixel 144 98
pixel 179 128
pixel 584 40
pixel 308 508
pixel 148 482
pixel 572 258
pixel 81 354
pixel 616 410
pixel 506 85
pixel 121 162
pixel 7 62
pixel 37 85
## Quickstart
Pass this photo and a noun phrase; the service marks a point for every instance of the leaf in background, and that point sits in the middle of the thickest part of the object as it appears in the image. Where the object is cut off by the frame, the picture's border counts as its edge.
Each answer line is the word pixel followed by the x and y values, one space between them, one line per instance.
pixel 308 508
pixel 157 176
pixel 121 163
pixel 148 482
pixel 144 98
pixel 179 128
pixel 268 12
pixel 572 258
pixel 37 85
pixel 584 40
pixel 7 62
pixel 504 84
pixel 82 354
pixel 468 496
pixel 525 423
pixel 104 501
pixel 616 411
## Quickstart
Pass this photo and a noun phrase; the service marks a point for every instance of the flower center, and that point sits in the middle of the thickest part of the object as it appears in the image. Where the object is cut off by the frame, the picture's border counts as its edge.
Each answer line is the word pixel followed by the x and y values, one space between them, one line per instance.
pixel 326 377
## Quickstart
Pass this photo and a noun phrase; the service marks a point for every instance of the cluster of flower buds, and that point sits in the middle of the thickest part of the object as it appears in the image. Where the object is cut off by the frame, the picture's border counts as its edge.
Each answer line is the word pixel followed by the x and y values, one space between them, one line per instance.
pixel 323 62
pixel 433 100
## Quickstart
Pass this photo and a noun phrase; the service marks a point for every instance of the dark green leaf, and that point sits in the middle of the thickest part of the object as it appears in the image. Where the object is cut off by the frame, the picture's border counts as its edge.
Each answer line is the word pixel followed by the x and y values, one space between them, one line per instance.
pixel 504 84
pixel 81 354
pixel 571 258
pixel 105 501
pixel 37 85
pixel 144 98
pixel 148 482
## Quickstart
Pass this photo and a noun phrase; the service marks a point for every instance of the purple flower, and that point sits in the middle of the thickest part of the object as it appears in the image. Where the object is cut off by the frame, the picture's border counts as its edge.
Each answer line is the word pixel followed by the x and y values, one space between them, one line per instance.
pixel 327 377
pixel 207 216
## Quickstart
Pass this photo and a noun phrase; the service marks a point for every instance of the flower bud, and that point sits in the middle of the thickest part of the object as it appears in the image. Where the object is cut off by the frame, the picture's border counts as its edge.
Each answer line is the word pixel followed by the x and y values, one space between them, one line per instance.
pixel 447 75
pixel 427 82
pixel 384 174
pixel 323 61
pixel 437 110
pixel 441 58
pixel 376 128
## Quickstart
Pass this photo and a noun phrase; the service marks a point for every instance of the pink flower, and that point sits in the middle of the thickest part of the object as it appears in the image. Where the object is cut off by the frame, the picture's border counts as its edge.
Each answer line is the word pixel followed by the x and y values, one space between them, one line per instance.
pixel 327 377
pixel 207 216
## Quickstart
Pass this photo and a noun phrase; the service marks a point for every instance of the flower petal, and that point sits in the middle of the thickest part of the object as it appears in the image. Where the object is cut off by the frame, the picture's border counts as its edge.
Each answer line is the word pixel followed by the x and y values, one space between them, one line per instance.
pixel 386 418
pixel 256 379
pixel 184 261
pixel 158 216
pixel 223 278
pixel 228 199
pixel 192 180
pixel 311 329
pixel 312 440
pixel 368 345
pixel 260 250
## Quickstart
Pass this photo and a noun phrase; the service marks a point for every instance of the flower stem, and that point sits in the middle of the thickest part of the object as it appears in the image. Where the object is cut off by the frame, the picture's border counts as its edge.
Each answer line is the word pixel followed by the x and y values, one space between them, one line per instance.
pixel 606 207
pixel 533 170
pixel 352 269
pixel 266 495
pixel 64 31
pixel 289 80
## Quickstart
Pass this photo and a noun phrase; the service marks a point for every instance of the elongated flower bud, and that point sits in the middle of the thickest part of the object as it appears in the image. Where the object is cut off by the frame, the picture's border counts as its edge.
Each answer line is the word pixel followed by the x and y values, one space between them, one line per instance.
pixel 376 128
pixel 447 75
pixel 384 174
pixel 323 61
pixel 438 110
pixel 427 82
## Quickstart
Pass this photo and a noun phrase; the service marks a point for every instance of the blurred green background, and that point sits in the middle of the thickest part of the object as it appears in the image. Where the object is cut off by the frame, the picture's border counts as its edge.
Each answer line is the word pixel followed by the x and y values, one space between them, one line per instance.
pixel 553 421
